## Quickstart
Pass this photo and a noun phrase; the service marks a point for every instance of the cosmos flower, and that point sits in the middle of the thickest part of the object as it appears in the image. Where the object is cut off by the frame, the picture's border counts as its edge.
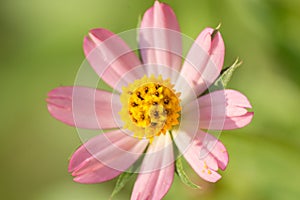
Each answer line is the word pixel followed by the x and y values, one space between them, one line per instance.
pixel 158 105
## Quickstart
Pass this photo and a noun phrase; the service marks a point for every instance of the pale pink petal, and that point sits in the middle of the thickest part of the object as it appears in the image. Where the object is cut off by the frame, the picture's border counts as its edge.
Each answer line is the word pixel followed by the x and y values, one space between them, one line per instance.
pixel 204 164
pixel 157 171
pixel 110 57
pixel 227 123
pixel 224 109
pixel 82 107
pixel 204 61
pixel 230 97
pixel 105 156
pixel 212 146
pixel 219 111
pixel 160 40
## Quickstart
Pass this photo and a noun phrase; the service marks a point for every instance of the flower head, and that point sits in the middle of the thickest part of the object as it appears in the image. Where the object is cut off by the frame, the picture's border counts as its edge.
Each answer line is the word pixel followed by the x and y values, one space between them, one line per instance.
pixel 156 102
pixel 150 107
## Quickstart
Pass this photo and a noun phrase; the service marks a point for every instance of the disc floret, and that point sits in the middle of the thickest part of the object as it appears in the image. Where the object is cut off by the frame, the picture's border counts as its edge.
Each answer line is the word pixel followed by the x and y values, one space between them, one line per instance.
pixel 150 107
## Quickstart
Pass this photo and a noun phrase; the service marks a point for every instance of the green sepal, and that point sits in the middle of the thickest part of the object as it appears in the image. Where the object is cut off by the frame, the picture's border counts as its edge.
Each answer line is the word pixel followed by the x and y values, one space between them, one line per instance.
pixel 183 176
pixel 225 77
pixel 121 182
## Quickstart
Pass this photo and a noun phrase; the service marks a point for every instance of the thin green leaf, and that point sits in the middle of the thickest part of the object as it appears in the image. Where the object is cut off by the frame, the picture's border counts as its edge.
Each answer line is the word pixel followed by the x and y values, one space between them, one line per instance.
pixel 183 176
pixel 121 182
pixel 225 77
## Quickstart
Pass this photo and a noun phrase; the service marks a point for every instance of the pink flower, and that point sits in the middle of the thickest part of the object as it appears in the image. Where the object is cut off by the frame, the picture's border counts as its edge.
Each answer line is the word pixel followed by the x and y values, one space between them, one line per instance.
pixel 156 103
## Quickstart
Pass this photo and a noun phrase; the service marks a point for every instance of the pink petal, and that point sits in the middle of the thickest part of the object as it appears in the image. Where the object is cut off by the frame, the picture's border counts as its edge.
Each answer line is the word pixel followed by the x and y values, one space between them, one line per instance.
pixel 110 57
pixel 204 61
pixel 212 146
pixel 219 111
pixel 227 123
pixel 224 109
pixel 160 40
pixel 201 160
pixel 157 171
pixel 105 156
pixel 227 96
pixel 83 107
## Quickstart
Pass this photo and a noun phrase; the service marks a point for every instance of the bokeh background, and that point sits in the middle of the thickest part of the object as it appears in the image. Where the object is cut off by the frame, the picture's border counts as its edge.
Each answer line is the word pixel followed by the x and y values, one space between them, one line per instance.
pixel 41 48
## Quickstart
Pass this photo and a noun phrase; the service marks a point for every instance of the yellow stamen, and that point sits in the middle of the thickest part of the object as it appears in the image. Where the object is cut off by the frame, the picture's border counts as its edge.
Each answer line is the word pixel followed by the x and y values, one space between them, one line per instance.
pixel 150 107
pixel 205 165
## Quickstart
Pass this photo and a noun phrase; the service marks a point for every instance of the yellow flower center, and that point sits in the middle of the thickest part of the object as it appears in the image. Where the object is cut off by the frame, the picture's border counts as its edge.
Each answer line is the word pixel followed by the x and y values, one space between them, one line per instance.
pixel 150 107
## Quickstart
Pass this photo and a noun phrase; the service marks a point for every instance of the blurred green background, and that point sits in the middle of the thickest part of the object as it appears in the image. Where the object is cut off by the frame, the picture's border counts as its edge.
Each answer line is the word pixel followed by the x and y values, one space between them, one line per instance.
pixel 41 48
